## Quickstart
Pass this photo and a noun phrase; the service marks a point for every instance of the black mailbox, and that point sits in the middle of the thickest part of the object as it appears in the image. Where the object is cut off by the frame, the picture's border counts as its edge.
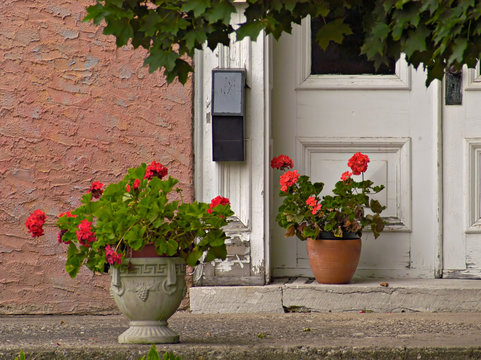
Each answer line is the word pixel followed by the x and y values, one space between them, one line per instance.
pixel 228 111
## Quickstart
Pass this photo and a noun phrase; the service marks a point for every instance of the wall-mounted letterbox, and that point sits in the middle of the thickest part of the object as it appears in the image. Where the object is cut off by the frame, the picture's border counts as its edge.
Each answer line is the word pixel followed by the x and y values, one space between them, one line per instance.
pixel 228 112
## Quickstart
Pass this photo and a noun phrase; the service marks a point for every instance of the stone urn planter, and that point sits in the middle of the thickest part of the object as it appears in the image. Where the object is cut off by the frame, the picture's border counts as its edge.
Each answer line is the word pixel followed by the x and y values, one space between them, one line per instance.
pixel 149 292
pixel 141 228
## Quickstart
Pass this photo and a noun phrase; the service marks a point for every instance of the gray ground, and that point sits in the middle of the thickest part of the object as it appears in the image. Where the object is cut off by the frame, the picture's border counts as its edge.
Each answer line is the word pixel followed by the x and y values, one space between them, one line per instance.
pixel 254 336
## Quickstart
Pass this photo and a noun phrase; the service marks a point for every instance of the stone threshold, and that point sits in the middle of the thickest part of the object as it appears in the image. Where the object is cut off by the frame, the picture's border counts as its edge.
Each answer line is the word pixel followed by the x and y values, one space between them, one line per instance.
pixel 306 295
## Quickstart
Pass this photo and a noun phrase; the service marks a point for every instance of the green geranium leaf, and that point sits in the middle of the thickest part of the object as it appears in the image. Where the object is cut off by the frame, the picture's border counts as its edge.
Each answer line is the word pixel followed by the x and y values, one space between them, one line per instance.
pixel 134 237
pixel 376 206
pixel 194 256
pixel 75 259
pixel 216 253
pixel 172 247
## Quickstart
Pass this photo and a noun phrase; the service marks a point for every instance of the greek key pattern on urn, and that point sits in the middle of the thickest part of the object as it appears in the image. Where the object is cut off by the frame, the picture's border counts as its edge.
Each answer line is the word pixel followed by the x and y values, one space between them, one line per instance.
pixel 152 269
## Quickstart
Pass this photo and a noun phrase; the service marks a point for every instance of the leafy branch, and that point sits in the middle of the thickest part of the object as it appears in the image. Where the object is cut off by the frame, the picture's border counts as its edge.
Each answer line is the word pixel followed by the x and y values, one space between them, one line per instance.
pixel 438 34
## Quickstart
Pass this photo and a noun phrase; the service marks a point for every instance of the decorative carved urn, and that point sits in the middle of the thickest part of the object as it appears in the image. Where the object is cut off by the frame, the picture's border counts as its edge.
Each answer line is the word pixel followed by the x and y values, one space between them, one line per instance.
pixel 149 292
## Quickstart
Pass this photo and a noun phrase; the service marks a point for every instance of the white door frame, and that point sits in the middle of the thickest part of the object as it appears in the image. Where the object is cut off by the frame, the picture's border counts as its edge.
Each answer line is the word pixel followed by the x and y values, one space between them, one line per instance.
pixel 244 183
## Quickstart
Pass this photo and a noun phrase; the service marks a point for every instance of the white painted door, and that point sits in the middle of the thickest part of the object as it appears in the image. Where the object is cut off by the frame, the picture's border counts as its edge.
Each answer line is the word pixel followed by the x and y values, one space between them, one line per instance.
pixel 462 181
pixel 321 120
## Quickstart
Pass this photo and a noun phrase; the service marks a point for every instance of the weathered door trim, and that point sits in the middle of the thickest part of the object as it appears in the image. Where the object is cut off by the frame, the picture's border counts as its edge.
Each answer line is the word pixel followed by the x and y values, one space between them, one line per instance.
pixel 244 183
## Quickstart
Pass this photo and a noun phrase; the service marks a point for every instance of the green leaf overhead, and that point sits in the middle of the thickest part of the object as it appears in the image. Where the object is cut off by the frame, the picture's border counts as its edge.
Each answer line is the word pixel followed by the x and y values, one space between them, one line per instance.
pixel 220 11
pixel 161 58
pixel 198 7
pixel 438 34
pixel 333 31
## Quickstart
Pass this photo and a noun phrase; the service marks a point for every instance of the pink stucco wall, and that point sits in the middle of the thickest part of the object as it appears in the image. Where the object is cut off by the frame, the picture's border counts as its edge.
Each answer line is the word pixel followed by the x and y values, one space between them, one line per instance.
pixel 73 109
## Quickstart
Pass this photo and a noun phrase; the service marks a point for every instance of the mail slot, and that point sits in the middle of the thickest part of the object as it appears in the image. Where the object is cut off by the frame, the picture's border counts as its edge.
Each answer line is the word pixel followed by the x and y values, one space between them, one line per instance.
pixel 228 114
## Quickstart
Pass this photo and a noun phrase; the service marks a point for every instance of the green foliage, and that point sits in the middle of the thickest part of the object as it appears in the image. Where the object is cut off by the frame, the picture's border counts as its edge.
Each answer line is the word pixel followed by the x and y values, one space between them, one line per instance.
pixel 154 355
pixel 153 213
pixel 171 30
pixel 339 213
pixel 21 356
pixel 438 34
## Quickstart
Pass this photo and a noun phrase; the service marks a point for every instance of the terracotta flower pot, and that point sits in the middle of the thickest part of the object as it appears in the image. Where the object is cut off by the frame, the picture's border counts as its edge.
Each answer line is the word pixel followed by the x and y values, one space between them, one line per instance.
pixel 333 261
pixel 148 251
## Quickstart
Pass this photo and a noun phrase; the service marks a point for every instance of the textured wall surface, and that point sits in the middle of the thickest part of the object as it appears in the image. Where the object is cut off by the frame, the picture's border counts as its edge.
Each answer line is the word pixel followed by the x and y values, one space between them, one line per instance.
pixel 73 109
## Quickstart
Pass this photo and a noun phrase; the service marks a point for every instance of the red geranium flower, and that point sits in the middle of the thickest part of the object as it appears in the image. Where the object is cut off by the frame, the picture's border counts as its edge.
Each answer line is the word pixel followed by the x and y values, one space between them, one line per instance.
pixel 85 235
pixel 155 169
pixel 96 189
pixel 358 163
pixel 137 182
pixel 316 208
pixel 112 256
pixel 35 222
pixel 282 162
pixel 68 214
pixel 127 188
pixel 288 179
pixel 311 201
pixel 346 175
pixel 219 200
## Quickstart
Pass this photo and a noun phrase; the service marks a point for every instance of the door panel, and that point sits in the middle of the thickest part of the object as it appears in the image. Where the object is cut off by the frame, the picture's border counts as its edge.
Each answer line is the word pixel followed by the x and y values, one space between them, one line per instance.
pixel 321 120
pixel 462 182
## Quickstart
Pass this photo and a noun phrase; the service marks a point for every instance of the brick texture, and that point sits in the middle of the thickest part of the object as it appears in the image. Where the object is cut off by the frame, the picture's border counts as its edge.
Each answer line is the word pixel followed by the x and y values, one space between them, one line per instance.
pixel 73 109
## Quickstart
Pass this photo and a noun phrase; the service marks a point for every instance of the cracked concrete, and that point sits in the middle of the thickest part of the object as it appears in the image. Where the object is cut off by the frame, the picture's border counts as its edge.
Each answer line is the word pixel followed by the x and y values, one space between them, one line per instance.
pixel 383 296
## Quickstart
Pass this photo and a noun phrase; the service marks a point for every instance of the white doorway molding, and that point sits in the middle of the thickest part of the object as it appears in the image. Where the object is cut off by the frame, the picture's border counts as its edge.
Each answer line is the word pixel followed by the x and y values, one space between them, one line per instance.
pixel 244 183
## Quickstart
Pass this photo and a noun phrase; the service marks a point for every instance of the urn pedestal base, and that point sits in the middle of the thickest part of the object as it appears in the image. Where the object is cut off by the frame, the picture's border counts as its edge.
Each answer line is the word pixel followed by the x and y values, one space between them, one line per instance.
pixel 148 332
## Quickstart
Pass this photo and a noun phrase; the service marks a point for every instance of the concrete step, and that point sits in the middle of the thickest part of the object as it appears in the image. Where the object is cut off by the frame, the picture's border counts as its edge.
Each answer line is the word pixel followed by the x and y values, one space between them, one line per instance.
pixel 306 295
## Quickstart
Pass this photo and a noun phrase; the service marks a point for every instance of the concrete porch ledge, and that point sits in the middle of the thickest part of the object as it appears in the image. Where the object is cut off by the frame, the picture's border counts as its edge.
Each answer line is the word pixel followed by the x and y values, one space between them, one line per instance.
pixel 305 295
